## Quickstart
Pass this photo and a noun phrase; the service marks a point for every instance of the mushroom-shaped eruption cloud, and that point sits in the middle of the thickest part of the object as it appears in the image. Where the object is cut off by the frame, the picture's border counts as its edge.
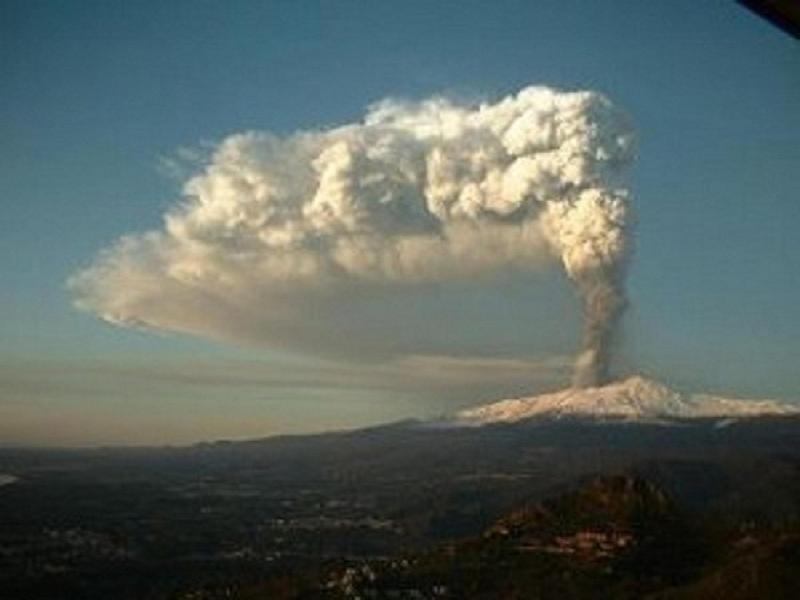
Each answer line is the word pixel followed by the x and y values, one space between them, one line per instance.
pixel 417 192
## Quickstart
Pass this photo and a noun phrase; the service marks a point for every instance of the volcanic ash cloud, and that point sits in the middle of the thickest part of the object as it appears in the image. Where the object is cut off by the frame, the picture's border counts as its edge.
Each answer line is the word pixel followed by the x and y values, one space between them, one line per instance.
pixel 418 192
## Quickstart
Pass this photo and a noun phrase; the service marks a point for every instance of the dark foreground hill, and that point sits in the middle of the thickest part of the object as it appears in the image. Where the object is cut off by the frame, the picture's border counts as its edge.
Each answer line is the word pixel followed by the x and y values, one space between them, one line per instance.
pixel 220 518
pixel 612 537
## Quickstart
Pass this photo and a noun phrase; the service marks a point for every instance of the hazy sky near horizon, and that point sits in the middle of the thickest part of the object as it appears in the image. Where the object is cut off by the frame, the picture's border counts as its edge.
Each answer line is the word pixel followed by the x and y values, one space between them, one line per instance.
pixel 103 102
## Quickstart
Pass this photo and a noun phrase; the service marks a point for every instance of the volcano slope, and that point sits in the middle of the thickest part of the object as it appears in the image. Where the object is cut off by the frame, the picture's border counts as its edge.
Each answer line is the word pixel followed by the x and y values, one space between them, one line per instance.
pixel 633 399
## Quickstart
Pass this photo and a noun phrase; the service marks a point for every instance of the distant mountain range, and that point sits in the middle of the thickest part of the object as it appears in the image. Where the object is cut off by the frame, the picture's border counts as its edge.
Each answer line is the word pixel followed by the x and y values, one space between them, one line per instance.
pixel 632 399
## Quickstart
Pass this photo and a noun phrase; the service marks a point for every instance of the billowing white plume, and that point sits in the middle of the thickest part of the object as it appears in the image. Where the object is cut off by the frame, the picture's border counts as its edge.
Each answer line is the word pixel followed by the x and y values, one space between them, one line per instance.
pixel 418 192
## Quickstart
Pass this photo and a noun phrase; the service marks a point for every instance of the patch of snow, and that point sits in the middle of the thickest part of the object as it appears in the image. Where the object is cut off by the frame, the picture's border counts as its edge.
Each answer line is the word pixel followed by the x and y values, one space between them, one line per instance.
pixel 632 399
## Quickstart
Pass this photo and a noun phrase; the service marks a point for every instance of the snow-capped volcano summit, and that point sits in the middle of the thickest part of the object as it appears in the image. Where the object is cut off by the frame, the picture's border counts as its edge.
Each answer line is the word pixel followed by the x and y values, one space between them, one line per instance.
pixel 634 399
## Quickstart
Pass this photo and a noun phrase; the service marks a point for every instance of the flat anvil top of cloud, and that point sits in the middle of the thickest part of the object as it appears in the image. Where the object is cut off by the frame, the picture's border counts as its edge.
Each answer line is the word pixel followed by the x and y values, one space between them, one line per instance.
pixel 274 229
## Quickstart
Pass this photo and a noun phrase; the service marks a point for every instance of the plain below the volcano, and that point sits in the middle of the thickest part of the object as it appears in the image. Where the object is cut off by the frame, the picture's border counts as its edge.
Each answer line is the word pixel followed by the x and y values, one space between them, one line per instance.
pixel 635 399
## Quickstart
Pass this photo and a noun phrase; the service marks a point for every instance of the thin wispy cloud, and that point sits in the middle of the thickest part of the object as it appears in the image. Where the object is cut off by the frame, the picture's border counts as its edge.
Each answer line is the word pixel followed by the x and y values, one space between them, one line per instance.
pixel 448 375
pixel 192 400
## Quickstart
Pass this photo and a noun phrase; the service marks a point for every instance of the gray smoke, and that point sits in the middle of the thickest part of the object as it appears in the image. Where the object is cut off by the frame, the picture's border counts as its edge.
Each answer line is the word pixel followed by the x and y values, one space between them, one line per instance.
pixel 604 301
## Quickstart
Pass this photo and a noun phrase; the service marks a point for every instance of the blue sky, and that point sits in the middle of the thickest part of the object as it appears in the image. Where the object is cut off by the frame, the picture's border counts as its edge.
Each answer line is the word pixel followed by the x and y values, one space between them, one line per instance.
pixel 96 95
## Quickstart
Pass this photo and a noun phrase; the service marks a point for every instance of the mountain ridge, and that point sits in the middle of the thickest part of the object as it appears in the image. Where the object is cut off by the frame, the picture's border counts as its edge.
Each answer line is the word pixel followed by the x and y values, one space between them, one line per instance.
pixel 636 398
